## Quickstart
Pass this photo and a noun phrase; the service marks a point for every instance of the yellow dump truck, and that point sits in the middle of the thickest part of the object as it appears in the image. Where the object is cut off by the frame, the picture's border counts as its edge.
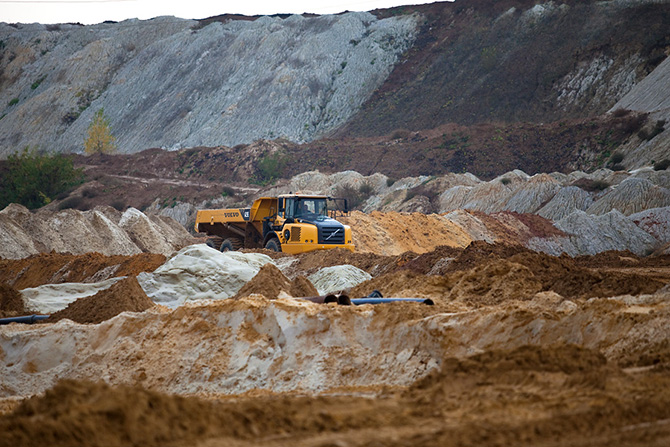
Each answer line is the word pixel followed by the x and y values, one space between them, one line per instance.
pixel 292 223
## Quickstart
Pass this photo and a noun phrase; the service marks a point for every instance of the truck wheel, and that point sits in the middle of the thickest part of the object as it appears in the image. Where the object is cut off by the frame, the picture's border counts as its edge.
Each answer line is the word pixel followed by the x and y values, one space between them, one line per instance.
pixel 231 244
pixel 273 244
pixel 214 242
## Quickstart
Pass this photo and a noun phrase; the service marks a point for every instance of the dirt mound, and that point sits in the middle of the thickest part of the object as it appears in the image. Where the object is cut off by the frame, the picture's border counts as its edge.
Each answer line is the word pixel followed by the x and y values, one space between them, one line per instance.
pixel 271 283
pixel 124 296
pixel 565 277
pixel 57 268
pixel 94 414
pixel 308 263
pixel 559 394
pixel 11 303
pixel 405 284
pixel 611 258
pixel 435 262
pixel 394 233
pixel 302 287
pixel 487 274
pixel 494 283
pixel 568 359
pixel 480 252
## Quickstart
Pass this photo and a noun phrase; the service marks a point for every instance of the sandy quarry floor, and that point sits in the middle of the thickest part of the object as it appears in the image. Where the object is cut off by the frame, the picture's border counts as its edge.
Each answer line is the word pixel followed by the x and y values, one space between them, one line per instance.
pixel 520 349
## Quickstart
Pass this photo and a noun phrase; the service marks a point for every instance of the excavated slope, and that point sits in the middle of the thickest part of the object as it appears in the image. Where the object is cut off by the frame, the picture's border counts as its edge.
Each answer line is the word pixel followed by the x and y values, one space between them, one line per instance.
pixel 233 346
pixel 168 83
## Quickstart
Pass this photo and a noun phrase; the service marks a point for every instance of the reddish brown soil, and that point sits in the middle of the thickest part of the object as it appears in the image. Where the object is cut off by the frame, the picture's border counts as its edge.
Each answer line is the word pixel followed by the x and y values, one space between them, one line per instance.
pixel 56 268
pixel 488 274
pixel 11 303
pixel 540 396
pixel 424 263
pixel 124 296
pixel 270 282
pixel 201 174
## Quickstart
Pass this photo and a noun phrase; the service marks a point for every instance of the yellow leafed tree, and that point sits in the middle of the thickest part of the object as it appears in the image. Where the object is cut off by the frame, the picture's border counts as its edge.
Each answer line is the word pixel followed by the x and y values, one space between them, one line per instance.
pixel 100 139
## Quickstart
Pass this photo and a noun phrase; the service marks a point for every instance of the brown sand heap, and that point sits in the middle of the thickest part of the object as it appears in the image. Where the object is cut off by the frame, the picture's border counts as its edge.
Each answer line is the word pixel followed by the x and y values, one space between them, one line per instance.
pixel 125 295
pixel 271 282
pixel 94 414
pixel 310 262
pixel 11 302
pixel 57 268
pixel 394 233
pixel 559 394
pixel 485 274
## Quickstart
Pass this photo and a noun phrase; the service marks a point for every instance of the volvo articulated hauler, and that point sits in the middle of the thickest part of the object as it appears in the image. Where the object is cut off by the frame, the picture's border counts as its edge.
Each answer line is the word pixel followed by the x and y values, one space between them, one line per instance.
pixel 292 223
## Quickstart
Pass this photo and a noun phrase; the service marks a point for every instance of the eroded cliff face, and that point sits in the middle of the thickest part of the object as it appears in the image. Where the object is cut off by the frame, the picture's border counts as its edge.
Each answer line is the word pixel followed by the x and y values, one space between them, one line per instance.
pixel 168 83
pixel 225 81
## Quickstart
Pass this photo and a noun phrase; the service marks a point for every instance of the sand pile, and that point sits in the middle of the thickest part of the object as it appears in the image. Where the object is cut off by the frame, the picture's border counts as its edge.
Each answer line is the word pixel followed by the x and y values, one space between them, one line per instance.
pixel 11 302
pixel 560 394
pixel 271 283
pixel 125 295
pixel 493 283
pixel 94 414
pixel 433 262
pixel 199 272
pixel 486 274
pixel 56 268
pixel 308 263
pixel 338 278
pixel 51 298
pixel 395 233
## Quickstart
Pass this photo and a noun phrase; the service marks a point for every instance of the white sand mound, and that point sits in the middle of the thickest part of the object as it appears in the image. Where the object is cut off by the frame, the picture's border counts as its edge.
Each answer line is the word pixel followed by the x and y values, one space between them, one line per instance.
pixel 51 298
pixel 338 277
pixel 199 272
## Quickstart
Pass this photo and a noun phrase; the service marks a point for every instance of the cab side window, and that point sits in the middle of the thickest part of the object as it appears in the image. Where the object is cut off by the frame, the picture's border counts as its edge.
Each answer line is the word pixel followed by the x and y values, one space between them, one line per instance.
pixel 289 208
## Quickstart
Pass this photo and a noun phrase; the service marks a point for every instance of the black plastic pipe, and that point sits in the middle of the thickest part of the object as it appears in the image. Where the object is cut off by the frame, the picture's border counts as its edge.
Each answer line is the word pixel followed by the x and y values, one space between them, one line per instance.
pixel 28 319
pixel 359 301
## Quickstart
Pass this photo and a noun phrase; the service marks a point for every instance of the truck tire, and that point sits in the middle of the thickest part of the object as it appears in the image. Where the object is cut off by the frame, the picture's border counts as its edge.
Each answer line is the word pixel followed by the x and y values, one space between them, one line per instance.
pixel 214 242
pixel 273 244
pixel 231 244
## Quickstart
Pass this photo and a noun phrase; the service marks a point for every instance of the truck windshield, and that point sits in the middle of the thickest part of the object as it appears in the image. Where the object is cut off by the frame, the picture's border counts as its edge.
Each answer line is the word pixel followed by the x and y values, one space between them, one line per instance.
pixel 310 208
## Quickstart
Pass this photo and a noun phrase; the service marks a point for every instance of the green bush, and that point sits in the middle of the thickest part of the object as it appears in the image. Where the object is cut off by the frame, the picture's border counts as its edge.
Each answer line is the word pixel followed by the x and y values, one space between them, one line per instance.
pixel 119 205
pixel 89 193
pixel 657 129
pixel 269 168
pixel 355 198
pixel 400 134
pixel 662 165
pixel 616 158
pixel 366 189
pixel 13 102
pixel 228 191
pixel 422 190
pixel 37 83
pixel 74 202
pixel 34 180
pixel 620 113
pixel 591 185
